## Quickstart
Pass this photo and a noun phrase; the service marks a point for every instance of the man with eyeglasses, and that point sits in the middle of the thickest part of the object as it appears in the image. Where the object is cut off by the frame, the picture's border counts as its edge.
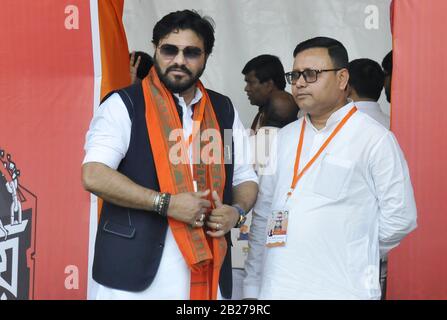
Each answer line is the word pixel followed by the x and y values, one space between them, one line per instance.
pixel 342 192
pixel 172 187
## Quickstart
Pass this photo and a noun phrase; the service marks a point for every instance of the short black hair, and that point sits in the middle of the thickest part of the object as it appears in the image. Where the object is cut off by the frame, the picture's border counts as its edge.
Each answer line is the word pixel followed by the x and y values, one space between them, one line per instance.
pixel 387 63
pixel 146 62
pixel 366 77
pixel 186 20
pixel 336 50
pixel 267 67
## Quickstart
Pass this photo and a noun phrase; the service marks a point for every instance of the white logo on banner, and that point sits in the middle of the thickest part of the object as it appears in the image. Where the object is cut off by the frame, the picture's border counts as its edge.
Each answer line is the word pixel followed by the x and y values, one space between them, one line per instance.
pixel 16 232
pixel 72 20
pixel 72 280
pixel 11 245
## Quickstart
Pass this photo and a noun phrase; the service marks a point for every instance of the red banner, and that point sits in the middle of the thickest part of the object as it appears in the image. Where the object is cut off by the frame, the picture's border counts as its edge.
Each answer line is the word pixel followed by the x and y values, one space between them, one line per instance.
pixel 46 101
pixel 417 269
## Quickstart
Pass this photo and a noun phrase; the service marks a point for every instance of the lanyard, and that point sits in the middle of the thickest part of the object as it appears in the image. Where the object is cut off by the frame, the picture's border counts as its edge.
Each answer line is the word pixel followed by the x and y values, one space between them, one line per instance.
pixel 297 176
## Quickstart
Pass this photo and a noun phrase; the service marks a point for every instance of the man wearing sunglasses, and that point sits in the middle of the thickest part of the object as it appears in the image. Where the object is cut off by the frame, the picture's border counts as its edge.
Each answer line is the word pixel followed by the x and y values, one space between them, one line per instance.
pixel 172 186
pixel 342 192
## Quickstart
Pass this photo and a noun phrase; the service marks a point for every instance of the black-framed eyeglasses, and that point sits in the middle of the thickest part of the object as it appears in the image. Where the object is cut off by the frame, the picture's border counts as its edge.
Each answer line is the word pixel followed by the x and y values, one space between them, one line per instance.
pixel 170 51
pixel 309 75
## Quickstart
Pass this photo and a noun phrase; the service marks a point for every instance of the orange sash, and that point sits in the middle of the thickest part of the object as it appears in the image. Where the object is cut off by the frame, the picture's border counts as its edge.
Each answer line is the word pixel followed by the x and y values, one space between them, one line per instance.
pixel 204 255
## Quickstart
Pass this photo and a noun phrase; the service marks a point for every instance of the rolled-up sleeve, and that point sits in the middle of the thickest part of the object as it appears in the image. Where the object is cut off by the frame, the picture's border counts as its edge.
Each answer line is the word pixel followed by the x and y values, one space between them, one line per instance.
pixel 394 192
pixel 108 137
pixel 243 161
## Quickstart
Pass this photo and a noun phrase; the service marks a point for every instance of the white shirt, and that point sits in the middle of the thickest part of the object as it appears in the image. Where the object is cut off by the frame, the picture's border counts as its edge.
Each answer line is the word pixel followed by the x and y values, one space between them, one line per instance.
pixel 373 110
pixel 107 142
pixel 260 144
pixel 352 206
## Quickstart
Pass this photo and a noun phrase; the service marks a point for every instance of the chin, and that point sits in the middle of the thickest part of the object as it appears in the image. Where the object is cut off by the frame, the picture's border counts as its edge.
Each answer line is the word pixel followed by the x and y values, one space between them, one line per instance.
pixel 304 106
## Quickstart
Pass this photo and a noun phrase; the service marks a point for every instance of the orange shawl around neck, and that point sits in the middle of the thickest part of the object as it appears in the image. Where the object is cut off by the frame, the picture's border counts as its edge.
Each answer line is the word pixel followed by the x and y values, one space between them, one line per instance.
pixel 204 255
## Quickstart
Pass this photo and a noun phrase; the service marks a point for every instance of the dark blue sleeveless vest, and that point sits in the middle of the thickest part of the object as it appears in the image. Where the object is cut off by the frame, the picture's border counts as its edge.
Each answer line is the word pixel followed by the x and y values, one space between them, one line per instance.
pixel 129 242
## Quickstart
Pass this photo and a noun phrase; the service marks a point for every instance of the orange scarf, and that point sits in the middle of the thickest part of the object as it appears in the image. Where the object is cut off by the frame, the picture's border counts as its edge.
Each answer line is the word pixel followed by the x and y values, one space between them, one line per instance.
pixel 204 255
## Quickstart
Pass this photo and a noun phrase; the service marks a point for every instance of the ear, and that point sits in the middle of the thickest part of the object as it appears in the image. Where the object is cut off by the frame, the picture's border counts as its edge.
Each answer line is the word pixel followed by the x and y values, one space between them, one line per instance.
pixel 343 78
pixel 270 85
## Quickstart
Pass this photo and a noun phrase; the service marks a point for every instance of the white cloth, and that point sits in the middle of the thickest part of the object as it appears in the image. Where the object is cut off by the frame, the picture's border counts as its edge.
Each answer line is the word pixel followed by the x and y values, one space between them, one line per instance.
pixel 260 144
pixel 373 110
pixel 107 142
pixel 355 201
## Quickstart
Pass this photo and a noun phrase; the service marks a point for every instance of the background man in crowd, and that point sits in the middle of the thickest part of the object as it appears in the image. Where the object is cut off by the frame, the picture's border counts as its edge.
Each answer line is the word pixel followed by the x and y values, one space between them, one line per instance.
pixel 387 65
pixel 140 64
pixel 366 80
pixel 264 75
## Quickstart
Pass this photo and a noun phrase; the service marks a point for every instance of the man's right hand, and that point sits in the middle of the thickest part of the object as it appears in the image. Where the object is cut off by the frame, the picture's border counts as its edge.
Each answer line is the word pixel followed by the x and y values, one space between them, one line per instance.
pixel 189 207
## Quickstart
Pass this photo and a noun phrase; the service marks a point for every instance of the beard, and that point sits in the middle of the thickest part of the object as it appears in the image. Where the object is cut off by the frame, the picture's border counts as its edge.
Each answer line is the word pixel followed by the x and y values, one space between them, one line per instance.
pixel 178 84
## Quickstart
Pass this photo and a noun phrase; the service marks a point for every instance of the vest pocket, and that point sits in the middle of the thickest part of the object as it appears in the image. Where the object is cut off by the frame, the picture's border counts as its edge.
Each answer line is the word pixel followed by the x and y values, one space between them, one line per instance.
pixel 119 229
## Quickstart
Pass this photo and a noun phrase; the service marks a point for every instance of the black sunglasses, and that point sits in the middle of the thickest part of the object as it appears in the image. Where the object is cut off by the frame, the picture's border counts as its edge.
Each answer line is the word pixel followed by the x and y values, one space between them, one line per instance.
pixel 170 51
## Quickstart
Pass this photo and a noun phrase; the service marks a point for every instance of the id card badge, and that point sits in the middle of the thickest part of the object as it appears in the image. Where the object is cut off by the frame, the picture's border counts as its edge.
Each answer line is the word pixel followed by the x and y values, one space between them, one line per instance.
pixel 277 230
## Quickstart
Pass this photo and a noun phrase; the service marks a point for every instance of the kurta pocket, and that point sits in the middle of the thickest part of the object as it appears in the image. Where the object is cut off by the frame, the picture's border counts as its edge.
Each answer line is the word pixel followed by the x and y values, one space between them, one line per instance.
pixel 332 176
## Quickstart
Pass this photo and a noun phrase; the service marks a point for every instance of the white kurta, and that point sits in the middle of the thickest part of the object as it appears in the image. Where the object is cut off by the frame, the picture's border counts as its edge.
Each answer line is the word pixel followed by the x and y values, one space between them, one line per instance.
pixel 354 204
pixel 373 110
pixel 107 142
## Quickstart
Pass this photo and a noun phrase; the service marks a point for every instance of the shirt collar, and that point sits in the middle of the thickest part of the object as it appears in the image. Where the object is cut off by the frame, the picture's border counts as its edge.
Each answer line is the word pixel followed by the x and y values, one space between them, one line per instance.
pixel 197 96
pixel 367 105
pixel 335 117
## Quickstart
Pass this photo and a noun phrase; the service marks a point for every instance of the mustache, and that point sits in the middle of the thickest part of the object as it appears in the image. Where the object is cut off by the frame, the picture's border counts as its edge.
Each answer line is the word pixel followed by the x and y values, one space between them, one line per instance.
pixel 177 67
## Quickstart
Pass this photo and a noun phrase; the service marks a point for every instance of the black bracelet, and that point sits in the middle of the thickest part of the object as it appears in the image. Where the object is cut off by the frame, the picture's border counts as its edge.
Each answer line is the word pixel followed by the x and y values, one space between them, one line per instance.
pixel 163 205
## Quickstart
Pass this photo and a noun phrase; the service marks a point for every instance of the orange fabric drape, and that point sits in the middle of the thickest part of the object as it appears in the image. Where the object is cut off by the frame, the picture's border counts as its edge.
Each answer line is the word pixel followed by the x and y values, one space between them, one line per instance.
pixel 114 50
pixel 203 255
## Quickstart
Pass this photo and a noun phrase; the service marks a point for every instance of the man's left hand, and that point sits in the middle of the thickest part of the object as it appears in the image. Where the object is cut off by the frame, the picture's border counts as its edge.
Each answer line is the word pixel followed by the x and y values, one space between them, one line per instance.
pixel 222 219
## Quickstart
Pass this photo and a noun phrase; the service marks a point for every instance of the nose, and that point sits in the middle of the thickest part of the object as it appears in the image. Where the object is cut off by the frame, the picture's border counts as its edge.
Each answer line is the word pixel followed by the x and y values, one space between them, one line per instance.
pixel 246 88
pixel 300 83
pixel 179 58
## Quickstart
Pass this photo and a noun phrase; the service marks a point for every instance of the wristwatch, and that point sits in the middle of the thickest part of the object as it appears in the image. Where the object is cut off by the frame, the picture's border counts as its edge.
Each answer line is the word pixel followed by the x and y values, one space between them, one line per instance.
pixel 242 216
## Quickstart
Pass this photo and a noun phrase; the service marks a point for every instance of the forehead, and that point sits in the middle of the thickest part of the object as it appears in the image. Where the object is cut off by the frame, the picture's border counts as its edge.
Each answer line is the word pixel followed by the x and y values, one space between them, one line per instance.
pixel 183 38
pixel 251 76
pixel 314 58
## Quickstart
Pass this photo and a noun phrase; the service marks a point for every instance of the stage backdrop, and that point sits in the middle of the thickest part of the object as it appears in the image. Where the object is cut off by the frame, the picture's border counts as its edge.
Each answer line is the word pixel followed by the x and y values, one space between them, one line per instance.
pixel 248 28
pixel 418 268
